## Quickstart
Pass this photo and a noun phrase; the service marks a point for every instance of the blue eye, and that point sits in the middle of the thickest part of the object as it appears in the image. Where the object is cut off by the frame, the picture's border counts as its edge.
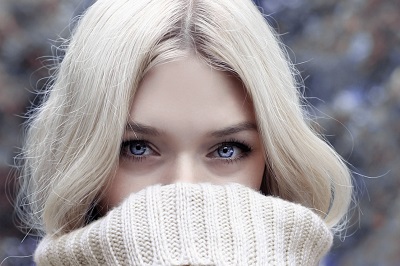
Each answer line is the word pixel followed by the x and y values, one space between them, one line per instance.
pixel 230 151
pixel 139 149
pixel 226 151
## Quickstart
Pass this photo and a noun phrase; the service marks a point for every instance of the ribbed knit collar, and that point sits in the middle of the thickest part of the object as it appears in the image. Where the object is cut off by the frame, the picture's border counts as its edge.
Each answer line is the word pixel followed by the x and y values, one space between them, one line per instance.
pixel 194 224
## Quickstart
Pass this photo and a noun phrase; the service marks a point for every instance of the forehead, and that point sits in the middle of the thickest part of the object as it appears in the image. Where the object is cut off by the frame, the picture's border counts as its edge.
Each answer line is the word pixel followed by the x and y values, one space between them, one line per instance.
pixel 188 90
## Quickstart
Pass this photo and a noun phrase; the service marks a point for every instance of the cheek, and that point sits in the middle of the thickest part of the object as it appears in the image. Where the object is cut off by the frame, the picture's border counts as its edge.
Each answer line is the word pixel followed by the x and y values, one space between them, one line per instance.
pixel 256 173
pixel 121 186
pixel 249 172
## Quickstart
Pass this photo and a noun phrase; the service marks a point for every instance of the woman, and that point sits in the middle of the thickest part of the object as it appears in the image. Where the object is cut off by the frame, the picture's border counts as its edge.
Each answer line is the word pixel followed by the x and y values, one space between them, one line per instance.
pixel 174 114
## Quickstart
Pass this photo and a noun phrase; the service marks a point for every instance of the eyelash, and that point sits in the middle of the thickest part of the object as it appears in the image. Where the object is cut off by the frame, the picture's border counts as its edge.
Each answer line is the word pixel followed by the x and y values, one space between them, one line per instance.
pixel 245 148
pixel 125 146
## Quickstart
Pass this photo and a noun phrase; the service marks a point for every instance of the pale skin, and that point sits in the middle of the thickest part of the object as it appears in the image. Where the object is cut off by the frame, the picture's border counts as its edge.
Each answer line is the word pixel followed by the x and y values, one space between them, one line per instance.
pixel 188 123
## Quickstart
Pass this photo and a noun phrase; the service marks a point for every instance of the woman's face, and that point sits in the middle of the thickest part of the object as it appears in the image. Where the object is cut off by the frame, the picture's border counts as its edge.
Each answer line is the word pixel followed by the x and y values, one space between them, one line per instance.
pixel 188 123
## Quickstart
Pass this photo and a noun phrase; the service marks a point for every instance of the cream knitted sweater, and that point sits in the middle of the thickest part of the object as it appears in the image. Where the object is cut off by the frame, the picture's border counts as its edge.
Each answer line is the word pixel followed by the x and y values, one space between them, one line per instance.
pixel 194 224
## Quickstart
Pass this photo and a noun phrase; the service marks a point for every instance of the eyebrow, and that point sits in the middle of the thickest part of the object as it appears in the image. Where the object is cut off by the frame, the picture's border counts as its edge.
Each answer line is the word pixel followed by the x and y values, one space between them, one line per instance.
pixel 152 131
pixel 244 126
pixel 142 129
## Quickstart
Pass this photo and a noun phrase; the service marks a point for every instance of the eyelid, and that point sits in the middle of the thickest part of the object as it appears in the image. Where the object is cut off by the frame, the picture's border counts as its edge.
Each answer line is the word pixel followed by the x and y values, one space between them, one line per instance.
pixel 245 151
pixel 127 142
pixel 238 143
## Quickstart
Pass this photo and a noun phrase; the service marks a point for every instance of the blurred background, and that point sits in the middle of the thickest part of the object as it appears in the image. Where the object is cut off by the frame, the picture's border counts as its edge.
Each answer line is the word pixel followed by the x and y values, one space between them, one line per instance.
pixel 348 54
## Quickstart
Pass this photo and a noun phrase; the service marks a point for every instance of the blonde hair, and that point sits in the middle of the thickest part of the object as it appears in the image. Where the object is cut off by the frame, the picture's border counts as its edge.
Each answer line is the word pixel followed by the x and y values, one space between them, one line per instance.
pixel 73 143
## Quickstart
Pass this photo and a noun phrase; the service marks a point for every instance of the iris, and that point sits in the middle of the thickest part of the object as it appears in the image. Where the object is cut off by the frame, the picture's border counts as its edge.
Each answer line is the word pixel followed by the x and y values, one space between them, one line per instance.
pixel 137 148
pixel 226 151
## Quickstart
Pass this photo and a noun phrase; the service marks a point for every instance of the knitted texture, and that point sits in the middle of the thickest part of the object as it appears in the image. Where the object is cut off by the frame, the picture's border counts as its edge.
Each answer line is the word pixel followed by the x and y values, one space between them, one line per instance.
pixel 194 224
